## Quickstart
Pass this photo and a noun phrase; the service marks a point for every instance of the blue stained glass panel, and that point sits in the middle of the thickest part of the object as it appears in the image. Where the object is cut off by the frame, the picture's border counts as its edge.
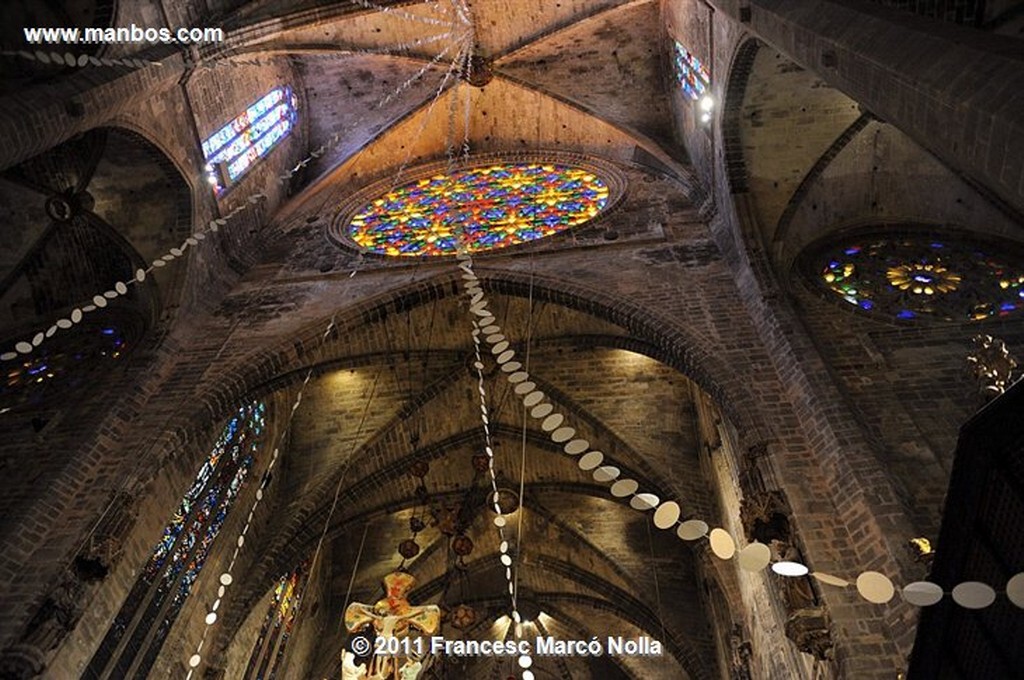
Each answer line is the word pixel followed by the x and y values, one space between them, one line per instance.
pixel 250 136
pixel 692 75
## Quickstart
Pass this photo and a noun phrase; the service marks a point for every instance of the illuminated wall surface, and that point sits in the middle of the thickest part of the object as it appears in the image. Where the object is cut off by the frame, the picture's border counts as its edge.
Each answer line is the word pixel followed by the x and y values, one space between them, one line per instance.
pixel 488 207
pixel 914 278
pixel 249 137
pixel 691 73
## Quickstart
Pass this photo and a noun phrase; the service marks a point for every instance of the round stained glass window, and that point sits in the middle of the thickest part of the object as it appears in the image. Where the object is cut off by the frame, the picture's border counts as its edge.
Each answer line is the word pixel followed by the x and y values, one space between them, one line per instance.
pixel 486 207
pixel 911 277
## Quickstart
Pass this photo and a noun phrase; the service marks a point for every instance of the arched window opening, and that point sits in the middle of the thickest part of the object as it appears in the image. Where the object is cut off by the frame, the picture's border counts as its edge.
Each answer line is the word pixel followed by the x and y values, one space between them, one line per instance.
pixel 233 149
pixel 140 628
pixel 267 655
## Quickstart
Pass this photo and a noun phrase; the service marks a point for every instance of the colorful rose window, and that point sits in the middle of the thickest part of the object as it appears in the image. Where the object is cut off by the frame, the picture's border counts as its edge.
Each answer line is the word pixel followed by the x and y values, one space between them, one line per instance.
pixel 486 208
pixel 923 277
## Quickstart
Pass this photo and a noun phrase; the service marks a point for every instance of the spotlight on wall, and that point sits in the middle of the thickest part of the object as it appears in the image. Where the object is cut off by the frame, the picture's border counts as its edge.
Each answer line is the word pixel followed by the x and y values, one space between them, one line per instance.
pixel 707 105
pixel 216 174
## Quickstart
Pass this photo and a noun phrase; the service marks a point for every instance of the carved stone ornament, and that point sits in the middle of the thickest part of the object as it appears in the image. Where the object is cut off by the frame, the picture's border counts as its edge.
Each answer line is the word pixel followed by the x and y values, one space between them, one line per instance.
pixel 992 364
pixel 765 517
pixel 53 621
pixel 809 629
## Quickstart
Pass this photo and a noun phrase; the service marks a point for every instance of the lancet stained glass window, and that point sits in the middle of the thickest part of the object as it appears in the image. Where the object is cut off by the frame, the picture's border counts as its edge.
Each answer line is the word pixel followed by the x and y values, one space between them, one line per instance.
pixel 489 207
pixel 138 632
pixel 921 277
pixel 268 652
pixel 233 149
pixel 691 73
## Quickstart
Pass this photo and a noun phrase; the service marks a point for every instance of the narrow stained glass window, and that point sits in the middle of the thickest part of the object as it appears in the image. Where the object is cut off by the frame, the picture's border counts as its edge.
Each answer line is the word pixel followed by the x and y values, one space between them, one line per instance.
pixel 133 641
pixel 481 208
pixel 692 74
pixel 268 652
pixel 233 149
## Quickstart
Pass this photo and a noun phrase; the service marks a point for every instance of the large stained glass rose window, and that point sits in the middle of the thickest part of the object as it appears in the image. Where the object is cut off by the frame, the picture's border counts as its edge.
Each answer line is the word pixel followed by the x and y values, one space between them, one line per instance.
pixel 485 207
pixel 922 276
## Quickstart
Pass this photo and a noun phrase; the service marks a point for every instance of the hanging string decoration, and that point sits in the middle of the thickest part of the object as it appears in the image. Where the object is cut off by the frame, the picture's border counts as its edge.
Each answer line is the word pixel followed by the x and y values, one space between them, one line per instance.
pixel 100 301
pixel 489 207
pixel 80 61
pixel 484 324
pixel 872 586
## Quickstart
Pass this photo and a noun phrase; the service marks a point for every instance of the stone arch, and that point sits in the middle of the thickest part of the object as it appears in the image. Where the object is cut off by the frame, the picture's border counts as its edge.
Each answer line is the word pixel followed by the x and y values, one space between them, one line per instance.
pixel 739 75
pixel 660 338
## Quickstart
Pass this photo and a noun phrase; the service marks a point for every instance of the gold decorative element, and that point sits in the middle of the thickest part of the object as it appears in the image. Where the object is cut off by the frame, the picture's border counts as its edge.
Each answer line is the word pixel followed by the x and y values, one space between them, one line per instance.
pixel 922 549
pixel 992 363
pixel 923 278
pixel 391 617
pixel 463 617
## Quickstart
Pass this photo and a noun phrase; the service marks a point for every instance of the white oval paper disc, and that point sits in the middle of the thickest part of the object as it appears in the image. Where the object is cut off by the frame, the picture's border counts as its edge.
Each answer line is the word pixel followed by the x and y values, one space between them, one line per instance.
pixel 974 595
pixel 754 557
pixel 576 447
pixel 667 514
pixel 1015 590
pixel 624 487
pixel 830 579
pixel 875 587
pixel 644 502
pixel 590 460
pixel 790 569
pixel 922 593
pixel 692 529
pixel 722 544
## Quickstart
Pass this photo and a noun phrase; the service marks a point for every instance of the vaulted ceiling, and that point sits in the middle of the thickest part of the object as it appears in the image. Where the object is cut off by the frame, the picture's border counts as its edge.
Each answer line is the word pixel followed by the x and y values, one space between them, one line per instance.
pixel 626 324
pixel 566 79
